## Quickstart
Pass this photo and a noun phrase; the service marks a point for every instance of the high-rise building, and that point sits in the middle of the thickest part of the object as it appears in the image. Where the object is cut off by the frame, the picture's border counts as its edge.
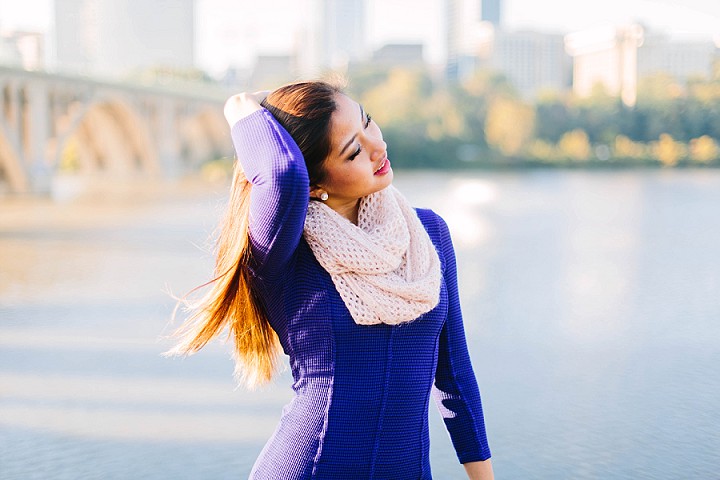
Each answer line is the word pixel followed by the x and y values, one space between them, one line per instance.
pixel 399 54
pixel 464 35
pixel 615 59
pixel 334 37
pixel 491 11
pixel 679 59
pixel 271 71
pixel 344 29
pixel 606 57
pixel 531 61
pixel 114 37
pixel 22 49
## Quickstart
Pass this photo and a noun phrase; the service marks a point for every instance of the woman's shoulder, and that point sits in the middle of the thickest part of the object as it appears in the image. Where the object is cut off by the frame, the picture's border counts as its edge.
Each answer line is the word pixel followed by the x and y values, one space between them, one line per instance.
pixel 434 224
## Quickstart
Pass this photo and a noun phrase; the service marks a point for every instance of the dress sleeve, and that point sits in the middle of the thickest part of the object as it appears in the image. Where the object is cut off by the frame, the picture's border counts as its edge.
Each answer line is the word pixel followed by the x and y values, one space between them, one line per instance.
pixel 275 167
pixel 455 390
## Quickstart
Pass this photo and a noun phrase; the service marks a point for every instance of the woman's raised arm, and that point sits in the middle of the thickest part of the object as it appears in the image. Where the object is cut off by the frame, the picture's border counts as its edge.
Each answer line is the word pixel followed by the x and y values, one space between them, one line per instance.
pixel 274 165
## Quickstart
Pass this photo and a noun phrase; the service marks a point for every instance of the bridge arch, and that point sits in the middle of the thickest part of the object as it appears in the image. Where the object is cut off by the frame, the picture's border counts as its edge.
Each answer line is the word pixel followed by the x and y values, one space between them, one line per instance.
pixel 13 135
pixel 50 123
pixel 109 135
pixel 204 136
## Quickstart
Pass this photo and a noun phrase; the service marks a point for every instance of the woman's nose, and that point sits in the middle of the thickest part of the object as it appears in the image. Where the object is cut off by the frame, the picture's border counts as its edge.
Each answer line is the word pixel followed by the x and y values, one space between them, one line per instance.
pixel 377 141
pixel 379 149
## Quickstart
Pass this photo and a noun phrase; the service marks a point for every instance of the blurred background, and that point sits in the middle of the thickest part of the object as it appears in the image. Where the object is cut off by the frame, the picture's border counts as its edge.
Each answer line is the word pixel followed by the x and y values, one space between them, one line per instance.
pixel 571 146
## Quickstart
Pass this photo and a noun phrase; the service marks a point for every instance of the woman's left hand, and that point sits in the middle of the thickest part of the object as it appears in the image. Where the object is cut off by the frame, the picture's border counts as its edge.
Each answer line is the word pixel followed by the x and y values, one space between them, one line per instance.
pixel 243 104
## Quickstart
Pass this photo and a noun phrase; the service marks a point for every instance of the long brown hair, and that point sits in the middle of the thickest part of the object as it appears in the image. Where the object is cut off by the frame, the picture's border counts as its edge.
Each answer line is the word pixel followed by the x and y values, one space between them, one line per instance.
pixel 305 111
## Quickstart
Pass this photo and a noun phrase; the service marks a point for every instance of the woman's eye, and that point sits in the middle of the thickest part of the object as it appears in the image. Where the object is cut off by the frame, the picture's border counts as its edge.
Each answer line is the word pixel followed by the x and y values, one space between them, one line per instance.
pixel 356 153
pixel 367 122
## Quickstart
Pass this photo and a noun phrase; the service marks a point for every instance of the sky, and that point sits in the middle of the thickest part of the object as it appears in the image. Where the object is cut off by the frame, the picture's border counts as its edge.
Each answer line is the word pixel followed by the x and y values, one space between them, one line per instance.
pixel 234 31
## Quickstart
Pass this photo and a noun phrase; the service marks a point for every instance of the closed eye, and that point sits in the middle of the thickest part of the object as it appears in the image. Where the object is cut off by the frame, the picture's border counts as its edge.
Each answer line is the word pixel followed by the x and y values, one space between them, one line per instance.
pixel 356 153
pixel 368 119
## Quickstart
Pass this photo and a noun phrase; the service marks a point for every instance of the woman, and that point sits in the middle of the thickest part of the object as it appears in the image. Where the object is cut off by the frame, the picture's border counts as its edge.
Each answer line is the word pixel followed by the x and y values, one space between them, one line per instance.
pixel 320 256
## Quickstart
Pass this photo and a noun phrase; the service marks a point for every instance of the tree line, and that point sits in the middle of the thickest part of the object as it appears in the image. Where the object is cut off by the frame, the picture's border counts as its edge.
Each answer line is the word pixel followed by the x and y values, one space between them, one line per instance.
pixel 482 121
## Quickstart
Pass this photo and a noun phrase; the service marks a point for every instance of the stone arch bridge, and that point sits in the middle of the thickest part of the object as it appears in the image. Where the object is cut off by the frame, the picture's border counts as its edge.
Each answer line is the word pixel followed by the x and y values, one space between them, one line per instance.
pixel 51 122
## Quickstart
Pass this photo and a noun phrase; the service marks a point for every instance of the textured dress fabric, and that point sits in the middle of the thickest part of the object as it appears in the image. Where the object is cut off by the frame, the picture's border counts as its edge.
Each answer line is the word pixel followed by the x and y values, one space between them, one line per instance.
pixel 360 409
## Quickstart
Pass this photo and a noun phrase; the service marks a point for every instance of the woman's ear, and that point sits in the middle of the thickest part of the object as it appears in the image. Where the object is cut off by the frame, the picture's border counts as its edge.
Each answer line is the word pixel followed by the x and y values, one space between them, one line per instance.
pixel 318 193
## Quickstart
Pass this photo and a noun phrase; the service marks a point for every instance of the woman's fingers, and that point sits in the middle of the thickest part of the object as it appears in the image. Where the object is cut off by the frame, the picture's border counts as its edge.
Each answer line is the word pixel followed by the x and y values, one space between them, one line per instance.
pixel 261 95
pixel 241 105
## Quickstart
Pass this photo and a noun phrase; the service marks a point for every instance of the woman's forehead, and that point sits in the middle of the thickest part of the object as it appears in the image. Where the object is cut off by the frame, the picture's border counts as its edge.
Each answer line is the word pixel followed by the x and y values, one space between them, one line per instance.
pixel 347 117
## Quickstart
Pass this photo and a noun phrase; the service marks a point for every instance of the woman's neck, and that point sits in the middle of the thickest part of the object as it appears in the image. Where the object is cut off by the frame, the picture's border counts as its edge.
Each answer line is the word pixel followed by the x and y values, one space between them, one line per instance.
pixel 348 209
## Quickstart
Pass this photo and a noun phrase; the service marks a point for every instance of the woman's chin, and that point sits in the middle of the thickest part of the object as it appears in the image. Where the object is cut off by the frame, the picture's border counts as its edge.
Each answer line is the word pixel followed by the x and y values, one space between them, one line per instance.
pixel 387 178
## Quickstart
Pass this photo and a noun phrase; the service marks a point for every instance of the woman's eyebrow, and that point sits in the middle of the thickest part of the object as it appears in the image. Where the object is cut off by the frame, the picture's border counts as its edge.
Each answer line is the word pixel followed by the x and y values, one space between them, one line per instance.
pixel 362 116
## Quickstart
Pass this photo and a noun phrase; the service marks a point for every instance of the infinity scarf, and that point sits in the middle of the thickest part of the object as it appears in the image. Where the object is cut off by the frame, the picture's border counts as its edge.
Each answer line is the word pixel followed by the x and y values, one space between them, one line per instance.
pixel 385 268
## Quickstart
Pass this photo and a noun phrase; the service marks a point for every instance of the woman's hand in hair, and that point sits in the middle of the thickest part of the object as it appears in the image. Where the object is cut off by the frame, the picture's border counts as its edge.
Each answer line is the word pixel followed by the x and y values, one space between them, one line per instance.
pixel 243 104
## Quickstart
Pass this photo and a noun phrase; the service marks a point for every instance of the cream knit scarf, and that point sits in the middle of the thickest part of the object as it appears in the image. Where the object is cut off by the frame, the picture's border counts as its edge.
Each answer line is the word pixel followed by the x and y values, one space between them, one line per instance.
pixel 385 268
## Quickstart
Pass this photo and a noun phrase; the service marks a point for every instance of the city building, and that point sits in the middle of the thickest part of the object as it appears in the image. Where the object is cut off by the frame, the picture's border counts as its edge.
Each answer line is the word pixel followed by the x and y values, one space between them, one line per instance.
pixel 606 58
pixel 22 49
pixel 466 34
pixel 334 37
pixel 115 37
pixel 616 58
pixel 399 55
pixel 679 59
pixel 492 12
pixel 271 71
pixel 533 62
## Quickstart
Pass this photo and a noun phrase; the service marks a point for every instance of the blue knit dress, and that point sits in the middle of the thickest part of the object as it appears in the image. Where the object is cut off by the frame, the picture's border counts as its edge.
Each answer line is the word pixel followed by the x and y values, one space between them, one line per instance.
pixel 360 409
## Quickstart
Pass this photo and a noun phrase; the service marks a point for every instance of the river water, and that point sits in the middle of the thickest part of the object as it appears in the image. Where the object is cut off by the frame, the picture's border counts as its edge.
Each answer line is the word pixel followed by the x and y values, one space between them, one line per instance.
pixel 591 302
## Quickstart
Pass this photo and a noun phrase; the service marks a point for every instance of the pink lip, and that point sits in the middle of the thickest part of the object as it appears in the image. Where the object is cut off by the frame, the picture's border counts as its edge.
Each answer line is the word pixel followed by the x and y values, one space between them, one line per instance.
pixel 385 169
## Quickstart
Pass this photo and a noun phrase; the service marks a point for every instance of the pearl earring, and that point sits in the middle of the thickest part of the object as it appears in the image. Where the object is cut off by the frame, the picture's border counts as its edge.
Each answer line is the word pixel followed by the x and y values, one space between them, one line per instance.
pixel 323 196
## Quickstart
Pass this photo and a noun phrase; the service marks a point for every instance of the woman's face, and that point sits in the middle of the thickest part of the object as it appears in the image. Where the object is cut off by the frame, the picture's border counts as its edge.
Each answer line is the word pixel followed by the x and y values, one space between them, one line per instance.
pixel 357 164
